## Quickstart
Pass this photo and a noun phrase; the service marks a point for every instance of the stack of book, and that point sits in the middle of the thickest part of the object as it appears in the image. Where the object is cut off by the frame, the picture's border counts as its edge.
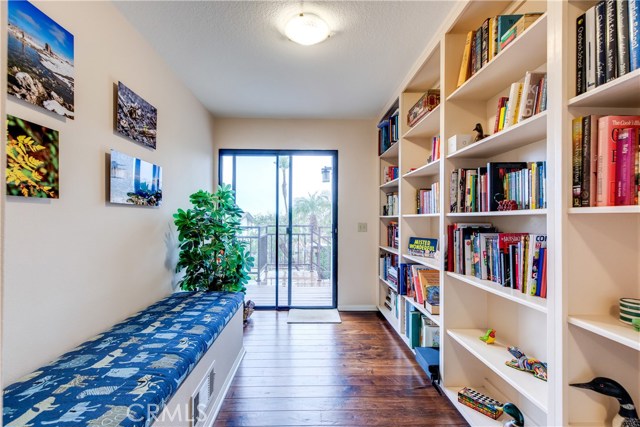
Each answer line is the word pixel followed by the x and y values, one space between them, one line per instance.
pixel 526 99
pixel 393 237
pixel 487 41
pixel 428 101
pixel 607 43
pixel 389 174
pixel 522 185
pixel 388 129
pixel 427 199
pixel 391 208
pixel 389 269
pixel 513 260
pixel 606 160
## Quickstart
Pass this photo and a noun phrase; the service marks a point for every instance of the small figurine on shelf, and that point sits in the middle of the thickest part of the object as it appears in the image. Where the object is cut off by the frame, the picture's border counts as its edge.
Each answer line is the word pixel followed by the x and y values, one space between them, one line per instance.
pixel 514 412
pixel 627 415
pixel 479 133
pixel 489 337
pixel 524 363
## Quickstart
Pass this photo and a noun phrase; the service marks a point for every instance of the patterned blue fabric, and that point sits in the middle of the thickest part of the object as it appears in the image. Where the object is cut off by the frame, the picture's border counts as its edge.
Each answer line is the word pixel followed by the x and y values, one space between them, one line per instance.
pixel 126 375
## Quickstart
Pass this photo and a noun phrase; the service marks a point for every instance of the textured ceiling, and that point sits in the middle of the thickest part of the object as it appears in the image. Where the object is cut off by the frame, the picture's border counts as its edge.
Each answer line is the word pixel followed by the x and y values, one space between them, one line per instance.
pixel 236 60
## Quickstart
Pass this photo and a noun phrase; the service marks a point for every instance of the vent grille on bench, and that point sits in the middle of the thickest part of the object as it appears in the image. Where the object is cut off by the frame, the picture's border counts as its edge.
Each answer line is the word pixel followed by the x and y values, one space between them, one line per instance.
pixel 203 399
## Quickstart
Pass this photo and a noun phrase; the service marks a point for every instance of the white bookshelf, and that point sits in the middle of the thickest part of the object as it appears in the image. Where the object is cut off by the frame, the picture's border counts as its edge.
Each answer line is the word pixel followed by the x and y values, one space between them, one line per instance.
pixel 427 262
pixel 390 185
pixel 435 318
pixel 390 250
pixel 593 252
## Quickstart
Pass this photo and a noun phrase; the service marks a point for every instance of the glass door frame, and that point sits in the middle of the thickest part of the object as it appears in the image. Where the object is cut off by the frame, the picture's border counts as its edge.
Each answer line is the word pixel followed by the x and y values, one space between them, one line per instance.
pixel 334 212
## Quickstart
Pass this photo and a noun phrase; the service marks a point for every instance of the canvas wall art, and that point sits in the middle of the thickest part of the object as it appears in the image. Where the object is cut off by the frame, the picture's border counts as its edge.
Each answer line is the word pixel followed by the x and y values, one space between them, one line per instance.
pixel 134 181
pixel 32 160
pixel 136 118
pixel 40 59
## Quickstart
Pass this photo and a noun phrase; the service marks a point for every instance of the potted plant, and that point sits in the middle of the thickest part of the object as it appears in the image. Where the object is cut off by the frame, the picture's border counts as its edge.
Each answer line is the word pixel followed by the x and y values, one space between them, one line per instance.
pixel 211 254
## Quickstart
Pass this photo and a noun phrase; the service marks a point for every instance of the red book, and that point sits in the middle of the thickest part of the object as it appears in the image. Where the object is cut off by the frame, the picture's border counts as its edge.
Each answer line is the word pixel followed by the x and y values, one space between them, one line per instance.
pixel 501 103
pixel 543 291
pixel 608 129
pixel 625 167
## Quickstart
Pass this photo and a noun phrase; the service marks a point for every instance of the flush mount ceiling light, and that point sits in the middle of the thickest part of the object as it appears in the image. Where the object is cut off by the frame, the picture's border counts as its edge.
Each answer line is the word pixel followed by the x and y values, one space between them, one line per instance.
pixel 307 29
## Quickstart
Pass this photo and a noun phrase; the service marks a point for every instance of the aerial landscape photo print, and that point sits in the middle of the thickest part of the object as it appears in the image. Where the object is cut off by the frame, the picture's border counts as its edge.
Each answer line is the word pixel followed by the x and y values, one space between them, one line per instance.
pixel 40 59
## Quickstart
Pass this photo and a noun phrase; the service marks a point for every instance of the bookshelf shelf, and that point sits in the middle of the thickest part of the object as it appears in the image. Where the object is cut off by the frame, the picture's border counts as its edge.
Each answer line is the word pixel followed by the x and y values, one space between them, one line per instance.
pixel 427 262
pixel 606 210
pixel 430 169
pixel 433 215
pixel 392 152
pixel 535 303
pixel 389 316
pixel 525 53
pixel 390 185
pixel 390 250
pixel 389 284
pixel 524 133
pixel 388 217
pixel 428 126
pixel 435 318
pixel 522 212
pixel 623 92
pixel 494 357
pixel 608 327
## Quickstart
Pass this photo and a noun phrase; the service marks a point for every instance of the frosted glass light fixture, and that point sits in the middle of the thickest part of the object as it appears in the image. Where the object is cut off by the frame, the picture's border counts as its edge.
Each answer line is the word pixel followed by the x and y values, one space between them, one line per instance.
pixel 307 29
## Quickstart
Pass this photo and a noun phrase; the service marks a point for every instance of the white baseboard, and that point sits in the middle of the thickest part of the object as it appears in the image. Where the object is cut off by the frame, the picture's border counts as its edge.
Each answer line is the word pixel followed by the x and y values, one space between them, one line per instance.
pixel 357 308
pixel 225 388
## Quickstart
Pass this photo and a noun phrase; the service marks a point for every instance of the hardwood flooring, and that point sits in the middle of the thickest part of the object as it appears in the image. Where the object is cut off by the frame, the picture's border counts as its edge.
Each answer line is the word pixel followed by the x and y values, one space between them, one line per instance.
pixel 357 373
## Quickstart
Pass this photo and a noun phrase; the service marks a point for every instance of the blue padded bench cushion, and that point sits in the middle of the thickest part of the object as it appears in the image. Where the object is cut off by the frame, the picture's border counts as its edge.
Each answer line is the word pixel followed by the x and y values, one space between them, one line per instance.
pixel 429 359
pixel 125 376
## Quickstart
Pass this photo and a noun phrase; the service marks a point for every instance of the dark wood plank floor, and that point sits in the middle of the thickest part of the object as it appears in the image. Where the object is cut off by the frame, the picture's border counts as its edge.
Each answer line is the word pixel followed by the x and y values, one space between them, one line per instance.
pixel 357 373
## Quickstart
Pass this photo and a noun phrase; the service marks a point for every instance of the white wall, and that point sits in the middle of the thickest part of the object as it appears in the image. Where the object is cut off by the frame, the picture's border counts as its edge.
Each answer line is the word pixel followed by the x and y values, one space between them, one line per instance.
pixel 77 265
pixel 355 141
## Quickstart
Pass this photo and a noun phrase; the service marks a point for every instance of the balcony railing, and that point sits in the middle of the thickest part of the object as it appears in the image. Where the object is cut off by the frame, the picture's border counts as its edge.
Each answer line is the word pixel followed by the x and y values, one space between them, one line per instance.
pixel 310 248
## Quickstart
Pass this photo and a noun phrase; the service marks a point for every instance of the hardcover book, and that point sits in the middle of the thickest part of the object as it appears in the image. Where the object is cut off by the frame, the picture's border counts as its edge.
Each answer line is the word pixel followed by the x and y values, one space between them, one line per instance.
pixel 581 81
pixel 423 247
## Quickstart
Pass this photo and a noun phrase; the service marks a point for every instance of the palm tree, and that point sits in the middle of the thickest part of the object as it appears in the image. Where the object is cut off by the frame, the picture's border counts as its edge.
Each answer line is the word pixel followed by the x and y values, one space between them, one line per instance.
pixel 311 207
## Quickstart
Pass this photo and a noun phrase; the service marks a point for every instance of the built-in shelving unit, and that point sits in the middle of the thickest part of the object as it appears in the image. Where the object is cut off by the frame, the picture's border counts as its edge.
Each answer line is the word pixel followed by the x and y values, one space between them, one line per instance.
pixel 593 252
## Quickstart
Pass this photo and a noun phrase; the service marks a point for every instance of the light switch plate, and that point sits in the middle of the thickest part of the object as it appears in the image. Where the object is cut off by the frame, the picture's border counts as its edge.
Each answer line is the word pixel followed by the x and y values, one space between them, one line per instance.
pixel 362 227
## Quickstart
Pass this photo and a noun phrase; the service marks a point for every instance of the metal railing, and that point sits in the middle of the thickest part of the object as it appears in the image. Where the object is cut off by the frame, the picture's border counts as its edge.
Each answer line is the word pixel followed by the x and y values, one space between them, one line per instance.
pixel 310 248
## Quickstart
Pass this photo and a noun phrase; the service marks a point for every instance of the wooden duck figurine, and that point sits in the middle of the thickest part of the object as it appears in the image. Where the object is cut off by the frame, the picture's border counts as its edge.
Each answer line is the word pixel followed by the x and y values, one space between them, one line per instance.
pixel 489 337
pixel 479 132
pixel 514 412
pixel 627 415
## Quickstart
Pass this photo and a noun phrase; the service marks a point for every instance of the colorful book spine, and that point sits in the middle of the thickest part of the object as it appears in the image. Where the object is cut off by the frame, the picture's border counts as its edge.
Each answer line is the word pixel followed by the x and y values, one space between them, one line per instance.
pixel 590 54
pixel 634 34
pixel 601 43
pixel 622 22
pixel 576 138
pixel 581 78
pixel 625 167
pixel 611 41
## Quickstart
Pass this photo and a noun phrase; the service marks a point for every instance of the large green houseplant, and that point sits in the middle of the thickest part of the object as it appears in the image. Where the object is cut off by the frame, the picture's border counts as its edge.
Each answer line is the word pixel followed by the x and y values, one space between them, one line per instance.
pixel 211 254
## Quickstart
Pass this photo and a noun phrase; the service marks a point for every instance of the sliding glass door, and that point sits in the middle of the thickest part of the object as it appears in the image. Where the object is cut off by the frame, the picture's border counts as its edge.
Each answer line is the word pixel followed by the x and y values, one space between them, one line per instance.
pixel 290 223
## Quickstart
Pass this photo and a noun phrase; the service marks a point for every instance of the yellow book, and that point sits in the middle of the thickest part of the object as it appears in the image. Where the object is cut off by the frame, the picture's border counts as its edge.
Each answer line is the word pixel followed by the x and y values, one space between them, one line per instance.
pixel 492 36
pixel 466 60
pixel 503 111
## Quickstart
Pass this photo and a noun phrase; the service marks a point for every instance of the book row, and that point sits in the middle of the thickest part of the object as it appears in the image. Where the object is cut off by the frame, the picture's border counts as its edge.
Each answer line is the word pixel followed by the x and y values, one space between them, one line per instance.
pixel 482 45
pixel 605 160
pixel 513 260
pixel 388 130
pixel 607 43
pixel 392 205
pixel 393 235
pixel 427 199
pixel 389 268
pixel 422 284
pixel 497 187
pixel 419 329
pixel 389 173
pixel 526 99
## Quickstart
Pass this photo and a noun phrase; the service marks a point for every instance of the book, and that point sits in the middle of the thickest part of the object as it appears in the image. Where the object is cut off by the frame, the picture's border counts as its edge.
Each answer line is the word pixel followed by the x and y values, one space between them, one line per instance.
pixel 634 35
pixel 477 51
pixel 453 192
pixel 622 23
pixel 626 148
pixel 576 161
pixel 514 94
pixel 608 127
pixel 536 242
pixel 611 40
pixel 590 36
pixel 423 247
pixel 505 242
pixel 502 24
pixel 529 95
pixel 518 28
pixel 415 321
pixel 492 38
pixel 589 160
pixel 601 44
pixel 581 47
pixel 485 42
pixel 501 103
pixel 481 403
pixel 430 333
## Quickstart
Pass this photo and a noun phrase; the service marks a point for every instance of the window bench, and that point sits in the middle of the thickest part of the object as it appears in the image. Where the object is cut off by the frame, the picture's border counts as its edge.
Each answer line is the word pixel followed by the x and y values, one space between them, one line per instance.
pixel 168 365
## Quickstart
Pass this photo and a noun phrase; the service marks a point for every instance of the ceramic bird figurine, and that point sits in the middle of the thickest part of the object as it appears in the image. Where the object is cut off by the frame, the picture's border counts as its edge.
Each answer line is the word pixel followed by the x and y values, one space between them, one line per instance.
pixel 479 132
pixel 489 337
pixel 514 412
pixel 627 415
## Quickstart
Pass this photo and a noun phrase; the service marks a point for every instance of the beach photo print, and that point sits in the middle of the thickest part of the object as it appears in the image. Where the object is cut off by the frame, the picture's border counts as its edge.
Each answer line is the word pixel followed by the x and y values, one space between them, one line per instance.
pixel 40 59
